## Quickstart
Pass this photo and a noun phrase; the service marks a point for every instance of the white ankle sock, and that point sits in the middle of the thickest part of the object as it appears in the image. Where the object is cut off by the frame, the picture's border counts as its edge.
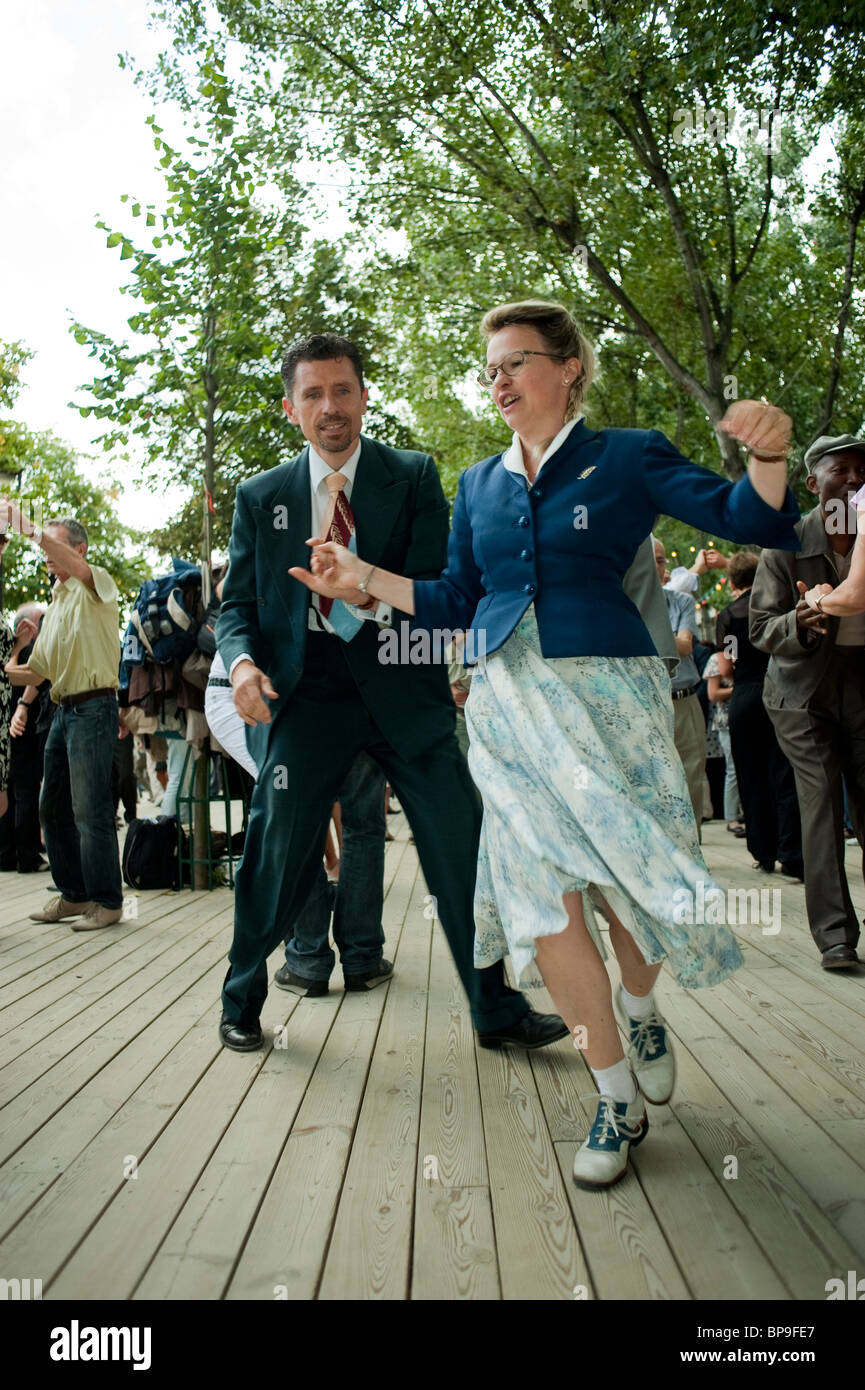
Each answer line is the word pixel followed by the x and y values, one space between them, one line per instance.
pixel 638 1005
pixel 616 1081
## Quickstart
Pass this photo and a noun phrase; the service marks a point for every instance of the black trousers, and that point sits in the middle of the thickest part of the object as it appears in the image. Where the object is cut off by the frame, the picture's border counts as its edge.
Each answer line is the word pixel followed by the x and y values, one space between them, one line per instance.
pixel 767 787
pixel 824 742
pixel 316 738
pixel 123 784
pixel 20 833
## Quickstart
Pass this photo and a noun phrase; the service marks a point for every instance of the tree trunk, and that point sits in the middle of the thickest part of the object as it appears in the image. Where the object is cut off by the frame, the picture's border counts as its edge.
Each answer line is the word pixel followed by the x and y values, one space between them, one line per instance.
pixel 202 766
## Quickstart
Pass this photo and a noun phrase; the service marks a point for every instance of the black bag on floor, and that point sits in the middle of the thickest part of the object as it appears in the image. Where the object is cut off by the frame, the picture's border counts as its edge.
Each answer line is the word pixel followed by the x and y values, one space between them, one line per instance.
pixel 150 854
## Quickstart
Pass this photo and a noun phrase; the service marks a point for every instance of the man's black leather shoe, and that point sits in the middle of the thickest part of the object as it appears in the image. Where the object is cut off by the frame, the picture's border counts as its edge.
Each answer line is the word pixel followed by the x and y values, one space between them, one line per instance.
pixel 533 1030
pixel 839 958
pixel 239 1039
pixel 383 971
pixel 296 984
pixel 794 869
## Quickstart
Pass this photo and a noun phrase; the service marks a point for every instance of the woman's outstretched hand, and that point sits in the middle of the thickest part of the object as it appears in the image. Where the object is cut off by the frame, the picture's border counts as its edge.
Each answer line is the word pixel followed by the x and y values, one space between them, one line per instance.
pixel 763 428
pixel 334 572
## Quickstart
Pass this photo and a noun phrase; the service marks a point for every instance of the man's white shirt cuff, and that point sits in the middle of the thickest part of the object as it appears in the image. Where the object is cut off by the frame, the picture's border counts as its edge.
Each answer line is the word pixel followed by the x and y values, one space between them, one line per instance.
pixel 382 613
pixel 244 656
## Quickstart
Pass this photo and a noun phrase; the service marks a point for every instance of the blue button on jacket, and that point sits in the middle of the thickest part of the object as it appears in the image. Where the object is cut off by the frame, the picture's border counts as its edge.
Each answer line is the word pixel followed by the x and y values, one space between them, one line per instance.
pixel 602 491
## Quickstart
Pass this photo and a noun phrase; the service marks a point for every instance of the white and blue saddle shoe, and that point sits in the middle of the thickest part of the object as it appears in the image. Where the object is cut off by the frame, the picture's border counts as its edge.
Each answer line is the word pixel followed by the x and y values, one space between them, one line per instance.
pixel 603 1158
pixel 650 1053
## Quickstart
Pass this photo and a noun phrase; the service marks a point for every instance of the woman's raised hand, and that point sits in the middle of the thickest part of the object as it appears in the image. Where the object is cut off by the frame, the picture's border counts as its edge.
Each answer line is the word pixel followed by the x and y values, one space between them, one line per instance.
pixel 764 428
pixel 334 572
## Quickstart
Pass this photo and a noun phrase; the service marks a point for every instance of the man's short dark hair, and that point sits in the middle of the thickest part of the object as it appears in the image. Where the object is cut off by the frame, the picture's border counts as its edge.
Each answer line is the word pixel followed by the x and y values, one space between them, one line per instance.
pixel 76 534
pixel 319 347
pixel 741 568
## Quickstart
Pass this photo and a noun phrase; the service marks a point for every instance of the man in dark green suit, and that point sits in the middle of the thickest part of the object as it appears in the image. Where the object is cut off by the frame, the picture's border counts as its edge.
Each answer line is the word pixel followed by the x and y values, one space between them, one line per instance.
pixel 312 687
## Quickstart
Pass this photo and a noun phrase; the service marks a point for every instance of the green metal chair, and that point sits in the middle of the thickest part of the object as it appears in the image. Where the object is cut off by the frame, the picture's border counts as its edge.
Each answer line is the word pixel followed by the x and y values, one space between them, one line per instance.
pixel 194 801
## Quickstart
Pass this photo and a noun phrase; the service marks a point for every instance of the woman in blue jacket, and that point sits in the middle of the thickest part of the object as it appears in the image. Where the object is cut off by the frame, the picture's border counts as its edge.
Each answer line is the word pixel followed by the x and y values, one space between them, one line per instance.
pixel 570 715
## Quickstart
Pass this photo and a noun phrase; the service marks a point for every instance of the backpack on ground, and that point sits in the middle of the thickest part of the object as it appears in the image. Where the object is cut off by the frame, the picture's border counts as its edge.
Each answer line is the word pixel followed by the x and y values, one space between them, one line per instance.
pixel 150 854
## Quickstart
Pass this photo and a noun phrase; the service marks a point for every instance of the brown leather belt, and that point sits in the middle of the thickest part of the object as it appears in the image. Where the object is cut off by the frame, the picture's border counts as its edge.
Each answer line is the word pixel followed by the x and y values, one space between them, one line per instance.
pixel 69 701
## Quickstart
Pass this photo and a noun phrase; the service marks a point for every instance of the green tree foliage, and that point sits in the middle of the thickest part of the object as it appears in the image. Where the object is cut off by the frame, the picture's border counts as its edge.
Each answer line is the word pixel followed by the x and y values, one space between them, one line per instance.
pixel 228 279
pixel 197 388
pixel 646 164
pixel 13 356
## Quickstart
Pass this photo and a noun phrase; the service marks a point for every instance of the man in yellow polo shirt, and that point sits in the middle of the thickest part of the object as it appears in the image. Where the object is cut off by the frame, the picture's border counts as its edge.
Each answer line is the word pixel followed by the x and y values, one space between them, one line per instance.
pixel 78 650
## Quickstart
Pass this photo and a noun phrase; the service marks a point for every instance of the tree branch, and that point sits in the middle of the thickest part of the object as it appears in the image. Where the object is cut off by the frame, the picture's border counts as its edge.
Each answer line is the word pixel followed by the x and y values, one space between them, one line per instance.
pixel 828 407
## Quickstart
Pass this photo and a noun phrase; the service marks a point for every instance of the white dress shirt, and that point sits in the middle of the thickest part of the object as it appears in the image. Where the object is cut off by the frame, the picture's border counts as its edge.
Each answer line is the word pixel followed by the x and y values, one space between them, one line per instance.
pixel 319 469
pixel 512 458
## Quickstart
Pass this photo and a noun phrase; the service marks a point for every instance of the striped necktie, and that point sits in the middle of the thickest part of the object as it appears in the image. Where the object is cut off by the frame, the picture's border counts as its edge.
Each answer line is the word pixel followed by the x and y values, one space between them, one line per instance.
pixel 338 524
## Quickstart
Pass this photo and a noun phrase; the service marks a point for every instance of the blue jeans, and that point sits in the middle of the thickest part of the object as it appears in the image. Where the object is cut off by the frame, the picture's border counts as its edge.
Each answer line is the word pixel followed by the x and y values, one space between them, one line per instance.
pixel 76 806
pixel 731 786
pixel 177 751
pixel 357 928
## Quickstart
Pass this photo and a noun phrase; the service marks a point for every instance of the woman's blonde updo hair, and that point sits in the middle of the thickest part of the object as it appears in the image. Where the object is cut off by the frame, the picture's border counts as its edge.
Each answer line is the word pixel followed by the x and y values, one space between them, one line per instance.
pixel 559 330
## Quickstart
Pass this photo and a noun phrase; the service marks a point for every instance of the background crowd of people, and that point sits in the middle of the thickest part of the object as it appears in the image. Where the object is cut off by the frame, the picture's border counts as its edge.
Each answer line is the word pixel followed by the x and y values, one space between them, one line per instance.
pixel 750 754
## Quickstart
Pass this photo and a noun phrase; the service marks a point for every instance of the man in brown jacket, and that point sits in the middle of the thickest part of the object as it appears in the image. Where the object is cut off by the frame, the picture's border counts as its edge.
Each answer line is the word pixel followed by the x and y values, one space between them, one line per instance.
pixel 815 687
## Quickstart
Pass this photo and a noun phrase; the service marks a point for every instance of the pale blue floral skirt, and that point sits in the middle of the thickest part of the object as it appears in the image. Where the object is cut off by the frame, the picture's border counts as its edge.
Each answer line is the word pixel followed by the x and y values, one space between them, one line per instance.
pixel 583 790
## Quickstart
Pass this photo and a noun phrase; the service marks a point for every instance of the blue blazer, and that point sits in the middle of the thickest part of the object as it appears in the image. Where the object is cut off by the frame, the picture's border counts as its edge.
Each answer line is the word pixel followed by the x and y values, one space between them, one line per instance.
pixel 565 543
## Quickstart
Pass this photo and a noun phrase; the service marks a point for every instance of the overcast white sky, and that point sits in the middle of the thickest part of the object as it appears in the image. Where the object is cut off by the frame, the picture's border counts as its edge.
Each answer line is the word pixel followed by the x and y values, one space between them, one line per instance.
pixel 74 139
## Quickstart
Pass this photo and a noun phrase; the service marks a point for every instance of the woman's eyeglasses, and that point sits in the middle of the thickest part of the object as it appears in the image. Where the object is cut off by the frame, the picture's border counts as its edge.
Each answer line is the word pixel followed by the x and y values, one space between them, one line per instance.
pixel 511 365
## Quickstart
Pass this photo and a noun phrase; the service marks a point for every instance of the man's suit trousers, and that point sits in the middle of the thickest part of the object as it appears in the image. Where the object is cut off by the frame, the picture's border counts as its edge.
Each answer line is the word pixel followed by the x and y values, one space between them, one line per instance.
pixel 318 734
pixel 824 742
pixel 767 787
pixel 689 735
pixel 357 909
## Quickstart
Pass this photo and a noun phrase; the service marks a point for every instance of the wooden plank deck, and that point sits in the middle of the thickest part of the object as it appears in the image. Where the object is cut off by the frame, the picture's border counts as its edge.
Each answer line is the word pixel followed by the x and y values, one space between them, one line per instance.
pixel 376 1153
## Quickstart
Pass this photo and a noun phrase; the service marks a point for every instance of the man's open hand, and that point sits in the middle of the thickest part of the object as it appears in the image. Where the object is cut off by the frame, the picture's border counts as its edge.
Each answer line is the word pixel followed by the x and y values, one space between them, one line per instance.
pixel 251 687
pixel 12 519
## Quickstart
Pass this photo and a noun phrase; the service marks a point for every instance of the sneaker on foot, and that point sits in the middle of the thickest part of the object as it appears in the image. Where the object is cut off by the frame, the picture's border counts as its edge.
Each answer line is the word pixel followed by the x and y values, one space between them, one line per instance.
pixel 383 971
pixel 603 1158
pixel 98 916
pixel 298 984
pixel 650 1054
pixel 58 908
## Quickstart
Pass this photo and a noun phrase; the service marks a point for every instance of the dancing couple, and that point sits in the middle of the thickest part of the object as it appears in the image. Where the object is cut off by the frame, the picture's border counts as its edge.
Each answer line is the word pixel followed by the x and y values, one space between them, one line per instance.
pixel 586 806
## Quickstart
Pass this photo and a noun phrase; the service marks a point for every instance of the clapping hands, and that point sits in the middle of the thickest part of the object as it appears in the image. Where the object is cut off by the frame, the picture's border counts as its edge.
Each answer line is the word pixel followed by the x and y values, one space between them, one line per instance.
pixel 809 617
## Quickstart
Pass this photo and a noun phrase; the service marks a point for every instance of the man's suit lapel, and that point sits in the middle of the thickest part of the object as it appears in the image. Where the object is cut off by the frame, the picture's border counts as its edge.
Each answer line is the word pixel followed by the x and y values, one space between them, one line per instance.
pixel 376 500
pixel 284 528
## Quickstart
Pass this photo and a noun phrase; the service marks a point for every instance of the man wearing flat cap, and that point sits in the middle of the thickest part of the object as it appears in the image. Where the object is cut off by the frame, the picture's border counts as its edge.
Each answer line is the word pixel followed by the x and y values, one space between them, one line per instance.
pixel 815 687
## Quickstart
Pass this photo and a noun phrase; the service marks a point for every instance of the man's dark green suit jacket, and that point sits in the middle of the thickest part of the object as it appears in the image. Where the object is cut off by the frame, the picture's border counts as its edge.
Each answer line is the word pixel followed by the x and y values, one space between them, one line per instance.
pixel 401 521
